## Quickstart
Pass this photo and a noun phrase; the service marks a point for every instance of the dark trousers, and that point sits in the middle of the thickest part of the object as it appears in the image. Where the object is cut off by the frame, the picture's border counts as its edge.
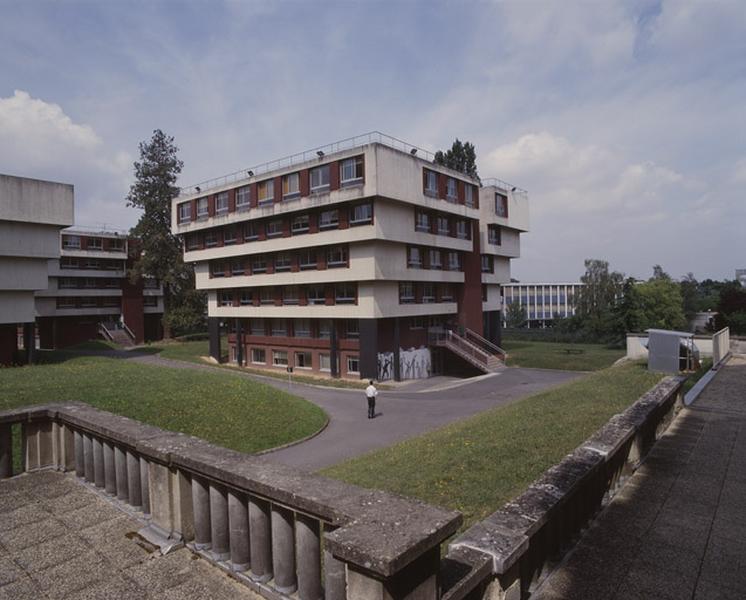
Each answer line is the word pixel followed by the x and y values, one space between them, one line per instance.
pixel 371 407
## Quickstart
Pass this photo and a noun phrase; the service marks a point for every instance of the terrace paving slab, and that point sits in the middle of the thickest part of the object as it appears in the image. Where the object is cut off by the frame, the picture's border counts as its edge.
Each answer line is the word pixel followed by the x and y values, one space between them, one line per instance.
pixel 61 540
pixel 677 528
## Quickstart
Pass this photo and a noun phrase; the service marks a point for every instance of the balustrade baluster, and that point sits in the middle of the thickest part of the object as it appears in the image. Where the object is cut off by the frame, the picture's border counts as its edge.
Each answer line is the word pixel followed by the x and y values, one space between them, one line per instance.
pixel 98 462
pixel 110 474
pixel 201 507
pixel 120 470
pixel 145 485
pixel 219 523
pixel 308 541
pixel 238 517
pixel 260 539
pixel 134 489
pixel 6 451
pixel 79 459
pixel 283 549
pixel 88 457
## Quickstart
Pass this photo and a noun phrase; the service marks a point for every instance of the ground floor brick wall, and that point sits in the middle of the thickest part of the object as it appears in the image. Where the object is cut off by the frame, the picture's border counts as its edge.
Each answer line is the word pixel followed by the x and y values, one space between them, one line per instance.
pixel 61 332
pixel 8 343
pixel 153 327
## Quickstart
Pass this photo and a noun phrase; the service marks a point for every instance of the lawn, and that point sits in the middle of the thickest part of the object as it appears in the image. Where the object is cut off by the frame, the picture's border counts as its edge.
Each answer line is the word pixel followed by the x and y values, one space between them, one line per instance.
pixel 551 355
pixel 477 464
pixel 231 411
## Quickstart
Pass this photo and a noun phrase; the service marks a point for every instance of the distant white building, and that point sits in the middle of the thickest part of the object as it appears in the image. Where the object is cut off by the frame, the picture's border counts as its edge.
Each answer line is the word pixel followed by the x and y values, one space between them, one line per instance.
pixel 543 302
pixel 741 276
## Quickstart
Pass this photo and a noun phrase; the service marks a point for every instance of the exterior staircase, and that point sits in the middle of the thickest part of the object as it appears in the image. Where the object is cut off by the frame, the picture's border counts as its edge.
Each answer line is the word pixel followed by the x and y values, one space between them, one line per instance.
pixel 470 346
pixel 118 333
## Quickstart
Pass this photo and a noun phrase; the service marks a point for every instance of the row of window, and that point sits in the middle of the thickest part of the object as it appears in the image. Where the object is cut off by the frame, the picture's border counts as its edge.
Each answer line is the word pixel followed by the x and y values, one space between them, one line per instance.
pixel 71 262
pixel 290 295
pixel 74 283
pixel 433 258
pixel 309 258
pixel 261 229
pixel 425 293
pixel 299 328
pixel 301 359
pixel 441 224
pixel 351 172
pixel 437 185
pixel 76 242
pixel 89 302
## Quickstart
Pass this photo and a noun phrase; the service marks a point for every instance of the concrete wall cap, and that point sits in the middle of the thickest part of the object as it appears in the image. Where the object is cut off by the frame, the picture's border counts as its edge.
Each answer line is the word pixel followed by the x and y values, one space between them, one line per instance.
pixel 505 548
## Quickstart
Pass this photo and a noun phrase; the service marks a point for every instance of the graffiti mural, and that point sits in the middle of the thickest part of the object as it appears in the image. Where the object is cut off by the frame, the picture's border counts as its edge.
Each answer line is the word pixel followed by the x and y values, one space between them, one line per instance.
pixel 415 363
pixel 385 366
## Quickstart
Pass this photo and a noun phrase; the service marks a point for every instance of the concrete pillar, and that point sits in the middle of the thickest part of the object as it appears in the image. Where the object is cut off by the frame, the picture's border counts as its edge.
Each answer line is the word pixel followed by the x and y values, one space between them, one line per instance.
pixel 201 508
pixel 134 490
pixel 368 329
pixel 56 445
pixel 79 459
pixel 335 578
pixel 260 540
pixel 283 550
pixel 6 451
pixel 239 343
pixel 308 549
pixel 145 486
pixel 110 474
pixel 219 531
pixel 45 440
pixel 88 457
pixel 120 471
pixel 98 462
pixel 238 517
pixel 213 330
pixel 418 580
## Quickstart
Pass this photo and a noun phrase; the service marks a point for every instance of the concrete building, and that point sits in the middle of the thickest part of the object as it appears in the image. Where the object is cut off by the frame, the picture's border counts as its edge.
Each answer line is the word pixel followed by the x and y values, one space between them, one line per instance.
pixel 359 259
pixel 741 276
pixel 32 213
pixel 543 302
pixel 89 294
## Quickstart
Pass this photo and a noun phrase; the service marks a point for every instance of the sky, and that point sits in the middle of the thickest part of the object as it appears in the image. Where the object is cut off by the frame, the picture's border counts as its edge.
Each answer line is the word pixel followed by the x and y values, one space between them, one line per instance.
pixel 624 120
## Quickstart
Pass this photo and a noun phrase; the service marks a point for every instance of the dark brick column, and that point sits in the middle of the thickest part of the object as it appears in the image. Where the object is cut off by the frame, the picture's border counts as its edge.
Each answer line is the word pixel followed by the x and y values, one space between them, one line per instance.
pixel 29 342
pixel 397 350
pixel 239 343
pixel 334 349
pixel 368 348
pixel 213 330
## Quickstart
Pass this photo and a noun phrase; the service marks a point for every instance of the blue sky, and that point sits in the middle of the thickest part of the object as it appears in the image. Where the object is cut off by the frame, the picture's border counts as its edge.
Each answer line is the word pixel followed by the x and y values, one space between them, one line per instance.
pixel 625 121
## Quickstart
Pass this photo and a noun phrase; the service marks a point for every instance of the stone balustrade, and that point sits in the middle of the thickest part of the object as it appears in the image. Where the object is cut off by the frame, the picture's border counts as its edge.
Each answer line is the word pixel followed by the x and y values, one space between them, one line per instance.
pixel 279 530
pixel 505 556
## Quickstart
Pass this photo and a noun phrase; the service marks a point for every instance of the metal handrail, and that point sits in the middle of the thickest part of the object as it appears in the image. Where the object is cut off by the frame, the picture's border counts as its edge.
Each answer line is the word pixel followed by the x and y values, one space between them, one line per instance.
pixel 504 186
pixel 105 332
pixel 484 342
pixel 128 330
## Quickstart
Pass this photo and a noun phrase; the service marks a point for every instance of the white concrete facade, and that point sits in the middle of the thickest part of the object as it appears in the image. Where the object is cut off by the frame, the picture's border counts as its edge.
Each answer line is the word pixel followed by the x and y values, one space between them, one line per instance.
pixel 543 301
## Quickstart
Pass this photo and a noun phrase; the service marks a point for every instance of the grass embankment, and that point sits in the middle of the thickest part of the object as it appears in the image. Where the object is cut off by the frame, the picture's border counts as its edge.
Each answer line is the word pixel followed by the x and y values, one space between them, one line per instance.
pixel 476 465
pixel 234 412
pixel 552 355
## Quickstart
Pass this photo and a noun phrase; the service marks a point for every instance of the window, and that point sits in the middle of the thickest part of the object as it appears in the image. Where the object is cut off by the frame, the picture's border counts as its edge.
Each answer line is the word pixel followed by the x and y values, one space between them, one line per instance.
pixel 290 294
pixel 451 190
pixel 221 203
pixel 352 330
pixel 88 302
pixel 246 298
pixel 71 242
pixel 256 327
pixel 316 294
pixel 258 356
pixel 362 213
pixel 446 292
pixel 303 360
pixel 282 261
pixel 148 284
pixel 67 283
pixel 266 192
pixel 92 263
pixel 229 236
pixel 90 283
pixel 345 293
pixel 65 302
pixel 501 205
pixel 225 299
pixel 325 362
pixel 351 170
pixel 302 328
pixel 443 227
pixel 68 263
pixel 417 323
pixel 185 212
pixel 218 268
pixel 414 257
pixel 406 292
pixel 325 329
pixel 267 296
pixel 211 239
pixel 150 301
pixel 487 264
pixel 243 198
pixel 462 230
pixel 428 292
pixel 422 221
pixel 237 267
pixel 336 256
pixel 435 259
pixel 353 364
pixel 202 209
pixel 193 241
pixel 329 219
pixel 259 264
pixel 469 195
pixel 299 224
pixel 320 178
pixel 280 358
pixel 291 186
pixel 494 235
pixel 278 328
pixel 274 228
pixel 250 231
pixel 307 259
pixel 95 243
pixel 431 183
pixel 454 261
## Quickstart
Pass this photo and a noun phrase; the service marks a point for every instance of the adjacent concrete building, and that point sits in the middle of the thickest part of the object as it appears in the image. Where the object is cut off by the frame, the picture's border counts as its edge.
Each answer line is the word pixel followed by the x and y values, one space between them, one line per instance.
pixel 359 259
pixel 32 213
pixel 89 293
pixel 543 302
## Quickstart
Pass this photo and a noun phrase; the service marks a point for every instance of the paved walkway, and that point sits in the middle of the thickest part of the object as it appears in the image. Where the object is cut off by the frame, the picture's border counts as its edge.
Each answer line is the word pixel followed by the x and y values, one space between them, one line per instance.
pixel 677 530
pixel 58 539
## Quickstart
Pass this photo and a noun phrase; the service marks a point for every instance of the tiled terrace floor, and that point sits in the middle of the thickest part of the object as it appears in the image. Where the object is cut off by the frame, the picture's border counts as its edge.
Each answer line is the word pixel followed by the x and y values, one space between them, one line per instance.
pixel 677 530
pixel 59 539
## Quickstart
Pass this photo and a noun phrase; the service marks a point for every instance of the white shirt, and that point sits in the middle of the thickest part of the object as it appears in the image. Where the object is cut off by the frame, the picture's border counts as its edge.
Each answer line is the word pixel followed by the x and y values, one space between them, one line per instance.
pixel 371 391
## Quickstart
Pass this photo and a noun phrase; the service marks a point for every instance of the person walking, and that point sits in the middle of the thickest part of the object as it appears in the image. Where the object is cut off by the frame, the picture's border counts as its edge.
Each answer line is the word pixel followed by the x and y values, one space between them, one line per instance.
pixel 370 393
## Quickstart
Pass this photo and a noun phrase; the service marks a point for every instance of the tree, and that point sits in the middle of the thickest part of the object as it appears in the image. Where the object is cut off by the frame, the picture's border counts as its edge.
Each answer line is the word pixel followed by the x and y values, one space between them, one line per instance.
pixel 731 308
pixel 601 289
pixel 689 295
pixel 461 157
pixel 659 273
pixel 629 312
pixel 662 304
pixel 162 254
pixel 515 315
